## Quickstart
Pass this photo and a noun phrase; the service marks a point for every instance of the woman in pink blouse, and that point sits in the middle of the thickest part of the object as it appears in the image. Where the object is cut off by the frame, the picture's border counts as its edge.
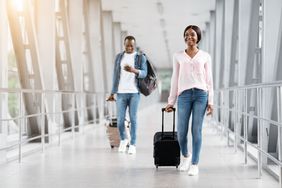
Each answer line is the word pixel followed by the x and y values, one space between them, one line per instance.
pixel 192 87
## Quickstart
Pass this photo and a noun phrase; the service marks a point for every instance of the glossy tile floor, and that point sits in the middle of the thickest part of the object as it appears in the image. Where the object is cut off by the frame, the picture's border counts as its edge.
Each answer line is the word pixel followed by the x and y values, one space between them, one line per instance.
pixel 89 162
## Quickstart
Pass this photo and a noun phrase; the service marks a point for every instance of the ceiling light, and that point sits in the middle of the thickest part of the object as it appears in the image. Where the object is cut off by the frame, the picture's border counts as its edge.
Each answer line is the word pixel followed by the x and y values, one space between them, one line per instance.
pixel 160 8
pixel 164 33
pixel 195 14
pixel 162 22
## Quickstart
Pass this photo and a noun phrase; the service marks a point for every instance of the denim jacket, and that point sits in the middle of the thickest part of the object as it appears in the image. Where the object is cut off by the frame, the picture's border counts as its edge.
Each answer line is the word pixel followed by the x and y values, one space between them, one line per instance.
pixel 116 75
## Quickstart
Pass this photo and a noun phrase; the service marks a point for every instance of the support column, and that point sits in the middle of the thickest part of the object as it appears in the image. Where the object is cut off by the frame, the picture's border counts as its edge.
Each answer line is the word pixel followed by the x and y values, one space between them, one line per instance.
pixel 88 71
pixel 220 24
pixel 228 33
pixel 212 50
pixel 117 38
pixel 75 19
pixel 76 27
pixel 213 43
pixel 3 79
pixel 45 29
pixel 24 39
pixel 107 26
pixel 95 40
pixel 218 42
pixel 203 43
pixel 64 62
pixel 234 52
pixel 207 37
pixel 233 71
pixel 123 35
pixel 271 67
pixel 250 56
pixel 244 20
pixel 272 34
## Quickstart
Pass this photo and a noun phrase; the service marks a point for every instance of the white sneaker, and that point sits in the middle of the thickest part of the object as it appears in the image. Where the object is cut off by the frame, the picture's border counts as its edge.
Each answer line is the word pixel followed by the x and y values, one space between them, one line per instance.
pixel 122 145
pixel 185 163
pixel 132 149
pixel 194 170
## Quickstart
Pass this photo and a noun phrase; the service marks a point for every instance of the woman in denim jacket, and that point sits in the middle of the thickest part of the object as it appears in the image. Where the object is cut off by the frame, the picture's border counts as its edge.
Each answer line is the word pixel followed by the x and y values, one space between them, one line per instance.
pixel 127 71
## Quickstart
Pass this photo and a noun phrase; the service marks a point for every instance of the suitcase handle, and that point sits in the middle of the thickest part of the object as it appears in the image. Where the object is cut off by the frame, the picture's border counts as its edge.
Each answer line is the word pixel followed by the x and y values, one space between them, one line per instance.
pixel 113 110
pixel 163 110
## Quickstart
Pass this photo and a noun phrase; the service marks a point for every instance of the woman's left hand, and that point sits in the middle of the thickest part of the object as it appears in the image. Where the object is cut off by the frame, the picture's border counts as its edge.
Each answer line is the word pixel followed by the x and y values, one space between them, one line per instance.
pixel 209 110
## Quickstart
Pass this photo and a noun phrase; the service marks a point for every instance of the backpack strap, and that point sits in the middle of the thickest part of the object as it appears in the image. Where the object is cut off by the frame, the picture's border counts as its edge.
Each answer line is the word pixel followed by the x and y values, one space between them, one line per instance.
pixel 139 59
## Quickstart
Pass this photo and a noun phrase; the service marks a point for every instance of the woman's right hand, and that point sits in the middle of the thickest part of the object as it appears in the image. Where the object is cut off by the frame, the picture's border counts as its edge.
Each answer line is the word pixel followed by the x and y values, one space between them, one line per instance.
pixel 111 98
pixel 168 108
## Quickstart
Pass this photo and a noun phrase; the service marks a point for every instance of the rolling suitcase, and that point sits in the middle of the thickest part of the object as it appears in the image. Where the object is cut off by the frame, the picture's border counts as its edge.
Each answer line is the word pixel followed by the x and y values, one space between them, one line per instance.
pixel 113 133
pixel 166 146
pixel 112 129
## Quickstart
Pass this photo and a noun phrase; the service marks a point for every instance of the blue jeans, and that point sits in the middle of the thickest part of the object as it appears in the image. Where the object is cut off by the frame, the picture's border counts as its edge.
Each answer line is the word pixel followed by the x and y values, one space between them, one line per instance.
pixel 125 100
pixel 191 101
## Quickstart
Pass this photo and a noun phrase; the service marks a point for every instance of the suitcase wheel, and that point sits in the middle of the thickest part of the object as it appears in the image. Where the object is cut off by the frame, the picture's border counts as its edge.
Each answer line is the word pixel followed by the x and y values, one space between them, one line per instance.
pixel 112 146
pixel 177 166
pixel 157 166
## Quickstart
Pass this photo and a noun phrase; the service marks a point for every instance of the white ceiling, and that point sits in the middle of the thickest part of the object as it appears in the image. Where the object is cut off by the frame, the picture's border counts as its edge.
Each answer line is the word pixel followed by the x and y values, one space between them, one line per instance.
pixel 142 19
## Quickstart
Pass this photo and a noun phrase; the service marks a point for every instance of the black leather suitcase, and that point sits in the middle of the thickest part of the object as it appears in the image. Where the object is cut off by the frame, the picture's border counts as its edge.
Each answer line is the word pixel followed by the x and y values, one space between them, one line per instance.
pixel 166 146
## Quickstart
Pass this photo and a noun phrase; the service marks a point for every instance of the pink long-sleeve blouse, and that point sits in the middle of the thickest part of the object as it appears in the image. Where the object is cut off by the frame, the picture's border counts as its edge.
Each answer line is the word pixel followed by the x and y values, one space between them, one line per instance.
pixel 190 73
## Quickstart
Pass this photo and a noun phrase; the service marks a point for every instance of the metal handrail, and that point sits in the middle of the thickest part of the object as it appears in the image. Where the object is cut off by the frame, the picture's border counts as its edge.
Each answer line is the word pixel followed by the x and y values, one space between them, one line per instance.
pixel 240 98
pixel 18 90
pixel 254 116
pixel 254 86
pixel 21 118
pixel 256 147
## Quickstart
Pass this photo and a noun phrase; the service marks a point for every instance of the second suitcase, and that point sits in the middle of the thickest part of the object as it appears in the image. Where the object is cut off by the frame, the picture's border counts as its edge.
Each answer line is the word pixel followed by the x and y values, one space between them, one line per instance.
pixel 166 146
pixel 113 133
pixel 112 129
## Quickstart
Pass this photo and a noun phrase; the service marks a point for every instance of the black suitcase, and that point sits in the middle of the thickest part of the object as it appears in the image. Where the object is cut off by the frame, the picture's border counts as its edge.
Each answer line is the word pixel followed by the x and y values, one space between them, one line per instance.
pixel 166 146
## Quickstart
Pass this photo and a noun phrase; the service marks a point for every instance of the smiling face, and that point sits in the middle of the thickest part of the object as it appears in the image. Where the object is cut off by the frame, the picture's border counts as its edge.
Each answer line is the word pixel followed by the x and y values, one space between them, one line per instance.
pixel 191 37
pixel 129 46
